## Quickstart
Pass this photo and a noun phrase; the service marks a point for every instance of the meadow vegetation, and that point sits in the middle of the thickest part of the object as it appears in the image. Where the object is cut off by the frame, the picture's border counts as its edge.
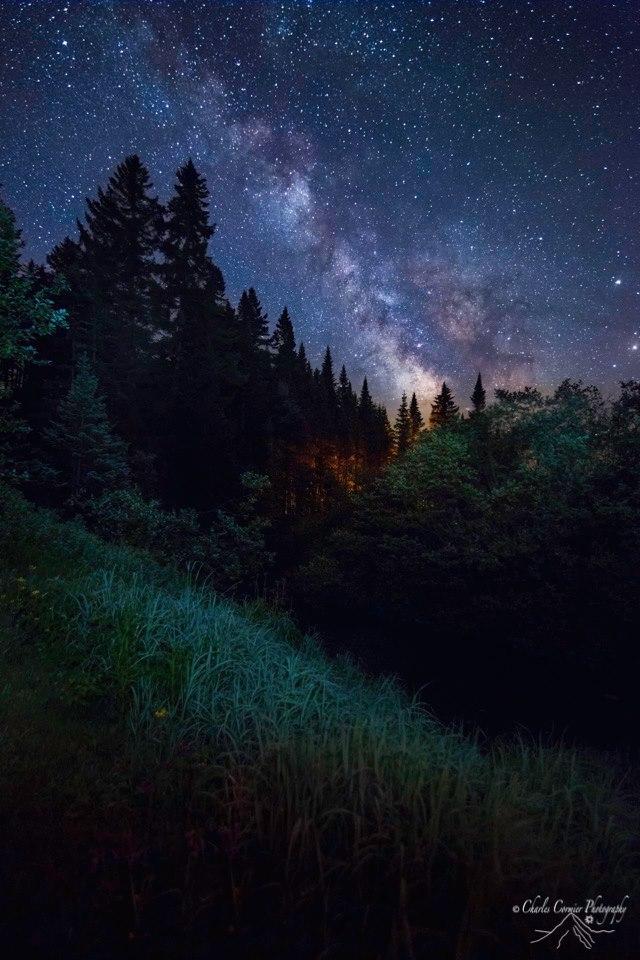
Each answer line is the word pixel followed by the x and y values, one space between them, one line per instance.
pixel 182 772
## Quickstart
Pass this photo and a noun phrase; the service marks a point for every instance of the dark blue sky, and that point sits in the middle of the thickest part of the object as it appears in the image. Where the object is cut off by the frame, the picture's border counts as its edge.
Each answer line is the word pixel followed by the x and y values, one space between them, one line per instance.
pixel 432 188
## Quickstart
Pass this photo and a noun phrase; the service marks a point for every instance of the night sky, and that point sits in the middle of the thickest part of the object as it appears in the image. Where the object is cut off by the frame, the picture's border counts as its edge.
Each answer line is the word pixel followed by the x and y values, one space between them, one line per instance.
pixel 432 188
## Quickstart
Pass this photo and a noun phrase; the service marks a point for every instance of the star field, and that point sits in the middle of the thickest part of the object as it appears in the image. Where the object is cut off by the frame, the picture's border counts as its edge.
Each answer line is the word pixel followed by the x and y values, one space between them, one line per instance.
pixel 432 188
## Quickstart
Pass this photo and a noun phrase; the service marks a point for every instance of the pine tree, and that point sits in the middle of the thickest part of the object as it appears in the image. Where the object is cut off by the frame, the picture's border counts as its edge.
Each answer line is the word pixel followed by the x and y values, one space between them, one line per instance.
pixel 444 411
pixel 365 403
pixel 118 267
pixel 367 428
pixel 347 421
pixel 305 389
pixel 26 314
pixel 479 396
pixel 417 421
pixel 253 321
pixel 193 284
pixel 402 428
pixel 87 458
pixel 345 392
pixel 384 439
pixel 285 406
pixel 379 438
pixel 202 352
pixel 283 343
pixel 326 404
pixel 258 408
pixel 190 276
pixel 302 358
pixel 327 377
pixel 305 372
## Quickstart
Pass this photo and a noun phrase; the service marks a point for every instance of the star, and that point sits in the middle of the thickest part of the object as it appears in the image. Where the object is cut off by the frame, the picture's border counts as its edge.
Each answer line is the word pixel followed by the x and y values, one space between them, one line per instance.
pixel 409 152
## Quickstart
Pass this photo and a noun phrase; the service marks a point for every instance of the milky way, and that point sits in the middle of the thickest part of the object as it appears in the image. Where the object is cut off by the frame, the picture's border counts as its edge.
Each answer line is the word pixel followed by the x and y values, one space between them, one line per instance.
pixel 432 188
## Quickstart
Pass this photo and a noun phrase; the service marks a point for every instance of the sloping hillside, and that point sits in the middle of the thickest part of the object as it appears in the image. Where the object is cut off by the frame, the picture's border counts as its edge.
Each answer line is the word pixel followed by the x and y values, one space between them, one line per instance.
pixel 180 773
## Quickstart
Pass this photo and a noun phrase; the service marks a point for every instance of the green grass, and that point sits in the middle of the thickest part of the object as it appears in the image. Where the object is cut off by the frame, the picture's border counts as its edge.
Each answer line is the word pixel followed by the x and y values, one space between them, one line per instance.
pixel 260 772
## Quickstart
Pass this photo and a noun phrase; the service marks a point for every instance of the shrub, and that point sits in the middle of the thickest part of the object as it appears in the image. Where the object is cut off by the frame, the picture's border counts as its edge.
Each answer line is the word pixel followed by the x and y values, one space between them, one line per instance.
pixel 231 552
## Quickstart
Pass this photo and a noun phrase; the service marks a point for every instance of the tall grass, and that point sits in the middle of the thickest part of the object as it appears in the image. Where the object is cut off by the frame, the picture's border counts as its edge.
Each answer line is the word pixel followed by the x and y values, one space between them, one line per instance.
pixel 351 789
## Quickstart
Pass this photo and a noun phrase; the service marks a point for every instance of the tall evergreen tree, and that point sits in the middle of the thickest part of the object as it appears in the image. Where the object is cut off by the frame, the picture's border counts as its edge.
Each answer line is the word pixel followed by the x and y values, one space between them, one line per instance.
pixel 402 428
pixel 286 402
pixel 444 411
pixel 305 380
pixel 202 354
pixel 346 396
pixel 260 404
pixel 253 320
pixel 327 399
pixel 368 427
pixel 190 276
pixel 417 420
pixel 87 457
pixel 283 344
pixel 365 403
pixel 327 377
pixel 381 443
pixel 118 265
pixel 479 396
pixel 302 357
pixel 347 423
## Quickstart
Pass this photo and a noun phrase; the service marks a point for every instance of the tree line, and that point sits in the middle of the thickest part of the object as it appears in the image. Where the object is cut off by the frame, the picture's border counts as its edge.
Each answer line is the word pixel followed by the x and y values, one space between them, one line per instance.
pixel 133 393
pixel 150 376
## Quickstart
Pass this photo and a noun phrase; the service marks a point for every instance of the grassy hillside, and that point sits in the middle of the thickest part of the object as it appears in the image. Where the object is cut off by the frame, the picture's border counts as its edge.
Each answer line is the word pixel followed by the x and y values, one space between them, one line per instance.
pixel 179 772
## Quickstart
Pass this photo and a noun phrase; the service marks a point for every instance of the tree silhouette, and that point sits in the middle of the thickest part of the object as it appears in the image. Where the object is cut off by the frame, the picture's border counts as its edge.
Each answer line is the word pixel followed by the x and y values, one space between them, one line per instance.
pixel 402 428
pixel 253 321
pixel 444 411
pixel 200 367
pixel 479 396
pixel 89 458
pixel 118 265
pixel 417 420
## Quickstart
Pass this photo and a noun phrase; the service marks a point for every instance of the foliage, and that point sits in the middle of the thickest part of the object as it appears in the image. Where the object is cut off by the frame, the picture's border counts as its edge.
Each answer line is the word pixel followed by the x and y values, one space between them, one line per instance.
pixel 231 553
pixel 88 457
pixel 124 516
pixel 516 524
pixel 26 313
